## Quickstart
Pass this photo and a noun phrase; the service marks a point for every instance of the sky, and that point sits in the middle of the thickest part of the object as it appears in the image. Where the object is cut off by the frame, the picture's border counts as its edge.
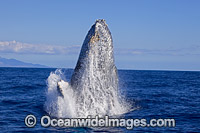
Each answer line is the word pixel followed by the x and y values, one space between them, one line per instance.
pixel 147 34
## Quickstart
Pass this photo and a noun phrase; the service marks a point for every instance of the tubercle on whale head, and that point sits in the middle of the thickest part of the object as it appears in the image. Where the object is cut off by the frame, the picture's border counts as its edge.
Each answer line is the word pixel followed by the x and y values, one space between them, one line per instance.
pixel 95 38
pixel 101 21
pixel 98 24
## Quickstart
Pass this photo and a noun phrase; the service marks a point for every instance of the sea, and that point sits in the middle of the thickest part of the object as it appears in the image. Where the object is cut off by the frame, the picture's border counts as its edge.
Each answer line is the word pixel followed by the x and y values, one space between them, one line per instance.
pixel 152 94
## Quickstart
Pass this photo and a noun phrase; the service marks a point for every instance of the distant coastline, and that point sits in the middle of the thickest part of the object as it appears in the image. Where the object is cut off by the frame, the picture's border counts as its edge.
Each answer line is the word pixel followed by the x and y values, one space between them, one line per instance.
pixel 16 63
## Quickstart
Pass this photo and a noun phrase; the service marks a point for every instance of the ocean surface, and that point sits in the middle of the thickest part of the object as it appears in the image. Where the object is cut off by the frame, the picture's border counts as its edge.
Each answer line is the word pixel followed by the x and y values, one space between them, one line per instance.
pixel 154 94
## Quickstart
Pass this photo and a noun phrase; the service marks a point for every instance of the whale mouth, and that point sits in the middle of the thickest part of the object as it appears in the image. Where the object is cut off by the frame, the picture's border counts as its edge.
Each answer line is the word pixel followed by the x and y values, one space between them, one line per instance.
pixel 93 88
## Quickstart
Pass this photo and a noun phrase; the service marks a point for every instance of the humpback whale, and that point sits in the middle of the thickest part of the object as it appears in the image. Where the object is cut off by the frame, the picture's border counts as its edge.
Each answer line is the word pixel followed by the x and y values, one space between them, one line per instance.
pixel 94 82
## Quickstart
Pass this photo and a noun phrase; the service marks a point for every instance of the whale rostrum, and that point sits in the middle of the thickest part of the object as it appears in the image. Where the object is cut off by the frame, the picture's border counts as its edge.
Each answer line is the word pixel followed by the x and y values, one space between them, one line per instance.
pixel 95 79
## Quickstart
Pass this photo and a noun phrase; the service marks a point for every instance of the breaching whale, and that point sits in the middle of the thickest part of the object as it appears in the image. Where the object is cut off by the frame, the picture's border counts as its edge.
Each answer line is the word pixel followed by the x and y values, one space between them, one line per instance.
pixel 94 82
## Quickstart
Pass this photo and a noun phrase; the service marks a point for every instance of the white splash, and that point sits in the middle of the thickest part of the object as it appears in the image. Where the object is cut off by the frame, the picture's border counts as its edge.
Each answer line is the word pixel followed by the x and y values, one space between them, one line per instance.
pixel 71 106
pixel 56 105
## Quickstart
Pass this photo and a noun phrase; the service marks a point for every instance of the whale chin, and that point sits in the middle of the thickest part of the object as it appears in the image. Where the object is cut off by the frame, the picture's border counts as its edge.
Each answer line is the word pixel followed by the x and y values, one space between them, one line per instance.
pixel 95 80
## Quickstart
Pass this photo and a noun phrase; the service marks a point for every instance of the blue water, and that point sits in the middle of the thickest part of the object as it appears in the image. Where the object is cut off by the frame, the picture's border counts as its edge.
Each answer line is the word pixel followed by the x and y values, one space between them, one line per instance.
pixel 156 94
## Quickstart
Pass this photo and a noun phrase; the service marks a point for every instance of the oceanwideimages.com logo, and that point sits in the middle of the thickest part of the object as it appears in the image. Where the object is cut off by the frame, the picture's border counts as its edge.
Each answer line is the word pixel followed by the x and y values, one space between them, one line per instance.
pixel 47 121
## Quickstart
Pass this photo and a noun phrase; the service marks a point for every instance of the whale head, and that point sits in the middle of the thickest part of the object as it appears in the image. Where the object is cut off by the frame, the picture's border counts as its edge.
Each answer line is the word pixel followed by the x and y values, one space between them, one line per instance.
pixel 96 53
pixel 95 78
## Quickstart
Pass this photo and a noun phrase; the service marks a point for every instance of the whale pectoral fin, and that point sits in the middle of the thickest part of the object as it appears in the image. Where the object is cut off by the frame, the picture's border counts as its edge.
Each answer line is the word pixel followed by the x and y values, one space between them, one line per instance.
pixel 62 86
pixel 60 89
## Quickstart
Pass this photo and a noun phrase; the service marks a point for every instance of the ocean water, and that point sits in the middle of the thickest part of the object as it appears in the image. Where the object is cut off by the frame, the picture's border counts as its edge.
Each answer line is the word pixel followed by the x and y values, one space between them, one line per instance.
pixel 153 94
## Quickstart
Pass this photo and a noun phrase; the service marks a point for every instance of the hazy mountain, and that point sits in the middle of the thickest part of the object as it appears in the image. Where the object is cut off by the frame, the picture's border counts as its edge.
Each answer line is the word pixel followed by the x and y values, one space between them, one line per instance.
pixel 16 63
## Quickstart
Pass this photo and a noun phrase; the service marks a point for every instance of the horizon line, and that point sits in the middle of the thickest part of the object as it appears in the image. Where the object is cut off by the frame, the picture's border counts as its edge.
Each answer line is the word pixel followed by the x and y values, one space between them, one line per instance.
pixel 128 69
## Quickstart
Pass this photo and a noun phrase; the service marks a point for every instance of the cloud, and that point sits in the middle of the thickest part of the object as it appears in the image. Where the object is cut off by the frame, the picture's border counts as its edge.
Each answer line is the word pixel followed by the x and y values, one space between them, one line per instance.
pixel 191 50
pixel 27 48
